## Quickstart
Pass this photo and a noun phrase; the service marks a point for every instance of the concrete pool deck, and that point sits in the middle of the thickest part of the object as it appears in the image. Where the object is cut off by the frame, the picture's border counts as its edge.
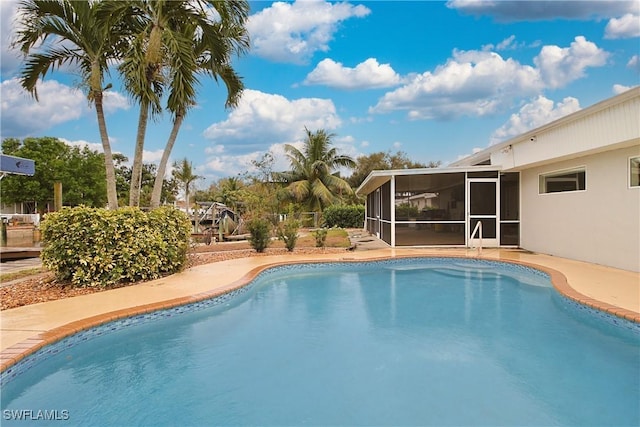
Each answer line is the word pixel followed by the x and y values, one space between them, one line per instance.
pixel 26 329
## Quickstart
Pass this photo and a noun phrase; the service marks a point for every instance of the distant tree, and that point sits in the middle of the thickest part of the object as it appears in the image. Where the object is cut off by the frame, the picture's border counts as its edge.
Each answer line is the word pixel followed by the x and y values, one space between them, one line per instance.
pixel 184 174
pixel 230 191
pixel 206 195
pixel 384 161
pixel 313 179
pixel 79 170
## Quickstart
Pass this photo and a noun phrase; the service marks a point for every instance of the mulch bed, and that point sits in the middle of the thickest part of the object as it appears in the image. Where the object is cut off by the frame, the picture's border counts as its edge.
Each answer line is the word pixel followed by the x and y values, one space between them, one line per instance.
pixel 43 287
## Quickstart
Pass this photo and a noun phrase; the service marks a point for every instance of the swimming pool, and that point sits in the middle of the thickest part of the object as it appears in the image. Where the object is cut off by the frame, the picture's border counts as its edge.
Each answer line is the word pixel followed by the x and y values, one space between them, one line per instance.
pixel 401 342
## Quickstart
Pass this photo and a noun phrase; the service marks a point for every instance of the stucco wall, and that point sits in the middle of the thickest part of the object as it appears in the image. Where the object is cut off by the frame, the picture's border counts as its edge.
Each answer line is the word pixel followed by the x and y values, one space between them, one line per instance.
pixel 599 225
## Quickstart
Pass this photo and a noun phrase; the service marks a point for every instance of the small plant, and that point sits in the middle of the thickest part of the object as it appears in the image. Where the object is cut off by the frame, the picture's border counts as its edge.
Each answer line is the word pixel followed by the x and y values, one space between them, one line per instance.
pixel 321 237
pixel 288 233
pixel 260 230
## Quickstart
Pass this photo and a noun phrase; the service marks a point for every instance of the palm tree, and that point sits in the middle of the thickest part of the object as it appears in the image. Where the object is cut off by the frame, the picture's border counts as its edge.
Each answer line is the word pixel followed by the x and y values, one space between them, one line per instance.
pixel 313 179
pixel 230 192
pixel 173 40
pixel 213 51
pixel 183 172
pixel 60 32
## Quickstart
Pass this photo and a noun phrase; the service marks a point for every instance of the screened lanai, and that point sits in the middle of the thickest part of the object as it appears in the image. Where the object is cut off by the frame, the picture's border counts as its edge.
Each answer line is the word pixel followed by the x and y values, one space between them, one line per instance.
pixel 441 207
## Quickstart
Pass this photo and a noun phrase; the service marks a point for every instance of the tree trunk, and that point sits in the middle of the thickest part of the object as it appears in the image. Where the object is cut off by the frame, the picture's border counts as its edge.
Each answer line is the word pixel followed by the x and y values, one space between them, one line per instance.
pixel 112 193
pixel 162 167
pixel 136 170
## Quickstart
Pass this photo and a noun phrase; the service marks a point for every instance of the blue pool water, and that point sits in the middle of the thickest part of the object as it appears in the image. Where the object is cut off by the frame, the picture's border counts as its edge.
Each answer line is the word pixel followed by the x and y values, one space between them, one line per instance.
pixel 402 342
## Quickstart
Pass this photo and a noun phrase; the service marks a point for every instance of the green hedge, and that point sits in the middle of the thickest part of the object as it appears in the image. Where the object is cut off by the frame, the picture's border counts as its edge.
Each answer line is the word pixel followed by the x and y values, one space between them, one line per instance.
pixel 344 216
pixel 93 247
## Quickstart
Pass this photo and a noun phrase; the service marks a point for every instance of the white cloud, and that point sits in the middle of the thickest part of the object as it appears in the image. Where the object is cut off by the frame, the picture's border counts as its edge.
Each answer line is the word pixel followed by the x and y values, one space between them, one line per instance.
pixel 473 83
pixel 114 101
pixel 223 165
pixel 560 66
pixel 81 143
pixel 509 11
pixel 9 59
pixel 618 89
pixel 57 103
pixel 634 63
pixel 623 28
pixel 22 115
pixel 293 32
pixel 152 156
pixel 366 75
pixel 262 119
pixel 216 149
pixel 510 43
pixel 538 112
pixel 507 43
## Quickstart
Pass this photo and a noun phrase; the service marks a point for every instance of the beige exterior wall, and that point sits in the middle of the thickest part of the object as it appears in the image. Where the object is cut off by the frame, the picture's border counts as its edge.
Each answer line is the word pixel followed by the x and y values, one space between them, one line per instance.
pixel 599 225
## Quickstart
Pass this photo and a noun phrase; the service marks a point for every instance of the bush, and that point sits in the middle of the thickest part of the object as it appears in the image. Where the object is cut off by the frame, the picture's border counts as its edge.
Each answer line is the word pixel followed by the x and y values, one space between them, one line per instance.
pixel 321 237
pixel 260 230
pixel 288 233
pixel 406 210
pixel 344 216
pixel 92 247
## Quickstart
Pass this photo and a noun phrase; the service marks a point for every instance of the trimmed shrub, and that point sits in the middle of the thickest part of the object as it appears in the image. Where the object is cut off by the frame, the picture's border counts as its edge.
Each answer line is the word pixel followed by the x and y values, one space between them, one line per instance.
pixel 260 230
pixel 93 247
pixel 321 237
pixel 288 233
pixel 344 216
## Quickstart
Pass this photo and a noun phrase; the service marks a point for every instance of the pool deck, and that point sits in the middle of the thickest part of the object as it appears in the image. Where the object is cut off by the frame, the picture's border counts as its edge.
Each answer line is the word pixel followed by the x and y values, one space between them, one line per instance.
pixel 26 329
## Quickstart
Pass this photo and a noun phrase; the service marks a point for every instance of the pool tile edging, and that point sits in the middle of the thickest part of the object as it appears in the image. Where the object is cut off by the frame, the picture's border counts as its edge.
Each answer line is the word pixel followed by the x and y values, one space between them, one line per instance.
pixel 15 353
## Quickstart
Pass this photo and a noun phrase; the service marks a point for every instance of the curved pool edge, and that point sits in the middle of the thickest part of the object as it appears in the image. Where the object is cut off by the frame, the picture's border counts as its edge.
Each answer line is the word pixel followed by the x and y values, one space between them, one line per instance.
pixel 16 352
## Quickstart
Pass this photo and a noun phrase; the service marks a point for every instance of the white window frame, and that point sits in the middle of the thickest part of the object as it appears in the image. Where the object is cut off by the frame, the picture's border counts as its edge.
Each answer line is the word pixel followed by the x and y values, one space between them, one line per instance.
pixel 552 174
pixel 629 171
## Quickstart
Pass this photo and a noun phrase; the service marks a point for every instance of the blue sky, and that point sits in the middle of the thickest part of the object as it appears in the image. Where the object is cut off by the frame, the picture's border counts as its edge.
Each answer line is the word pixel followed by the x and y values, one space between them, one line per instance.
pixel 437 80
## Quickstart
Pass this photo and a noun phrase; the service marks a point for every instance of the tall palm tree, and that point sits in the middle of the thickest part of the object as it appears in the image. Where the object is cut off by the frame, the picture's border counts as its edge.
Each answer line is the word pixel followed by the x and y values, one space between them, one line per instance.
pixel 183 172
pixel 173 40
pixel 65 32
pixel 213 50
pixel 313 179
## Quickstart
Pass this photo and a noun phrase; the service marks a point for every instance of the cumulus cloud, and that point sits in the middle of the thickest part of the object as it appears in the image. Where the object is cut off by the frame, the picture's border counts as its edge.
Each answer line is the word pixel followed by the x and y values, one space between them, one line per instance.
pixel 223 164
pixel 625 27
pixel 618 89
pixel 114 101
pixel 293 32
pixel 510 11
pixel 480 83
pixel 57 103
pixel 9 59
pixel 634 63
pixel 22 115
pixel 536 113
pixel 220 163
pixel 366 75
pixel 81 143
pixel 152 156
pixel 262 119
pixel 474 83
pixel 560 66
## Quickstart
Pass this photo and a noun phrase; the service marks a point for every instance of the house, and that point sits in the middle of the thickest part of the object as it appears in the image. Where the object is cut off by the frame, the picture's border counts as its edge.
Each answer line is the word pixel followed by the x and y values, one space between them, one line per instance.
pixel 570 188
